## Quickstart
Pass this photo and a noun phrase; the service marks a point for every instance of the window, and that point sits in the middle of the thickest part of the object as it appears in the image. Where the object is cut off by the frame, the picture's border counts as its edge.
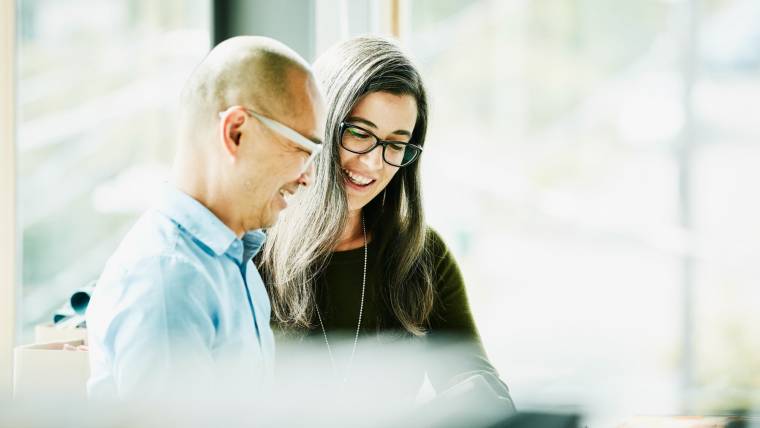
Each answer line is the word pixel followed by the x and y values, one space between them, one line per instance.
pixel 603 156
pixel 98 92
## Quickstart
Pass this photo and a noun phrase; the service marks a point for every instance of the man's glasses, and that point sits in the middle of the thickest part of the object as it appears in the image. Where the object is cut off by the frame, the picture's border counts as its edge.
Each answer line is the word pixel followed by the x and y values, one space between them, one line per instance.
pixel 358 140
pixel 285 131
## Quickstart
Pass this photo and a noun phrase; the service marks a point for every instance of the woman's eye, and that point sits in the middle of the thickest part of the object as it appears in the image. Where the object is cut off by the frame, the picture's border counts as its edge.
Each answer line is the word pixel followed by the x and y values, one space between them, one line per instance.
pixel 397 147
pixel 358 134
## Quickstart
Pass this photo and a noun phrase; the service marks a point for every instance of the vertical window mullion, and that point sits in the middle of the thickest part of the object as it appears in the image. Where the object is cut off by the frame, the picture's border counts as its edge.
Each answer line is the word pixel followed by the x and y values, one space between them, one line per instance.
pixel 8 241
pixel 684 157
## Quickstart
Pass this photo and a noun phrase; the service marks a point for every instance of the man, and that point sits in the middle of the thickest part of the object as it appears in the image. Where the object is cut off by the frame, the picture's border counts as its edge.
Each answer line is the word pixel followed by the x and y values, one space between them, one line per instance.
pixel 180 305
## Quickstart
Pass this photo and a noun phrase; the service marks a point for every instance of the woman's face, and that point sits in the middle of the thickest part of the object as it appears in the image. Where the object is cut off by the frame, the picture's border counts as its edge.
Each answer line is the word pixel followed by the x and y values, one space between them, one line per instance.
pixel 391 118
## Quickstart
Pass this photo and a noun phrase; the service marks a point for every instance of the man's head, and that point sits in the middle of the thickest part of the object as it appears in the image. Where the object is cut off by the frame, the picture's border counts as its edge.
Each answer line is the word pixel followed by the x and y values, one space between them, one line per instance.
pixel 234 155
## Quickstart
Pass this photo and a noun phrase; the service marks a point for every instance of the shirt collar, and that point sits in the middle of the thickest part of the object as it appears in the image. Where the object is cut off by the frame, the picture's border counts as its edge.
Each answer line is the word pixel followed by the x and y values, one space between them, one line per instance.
pixel 243 250
pixel 206 227
pixel 252 243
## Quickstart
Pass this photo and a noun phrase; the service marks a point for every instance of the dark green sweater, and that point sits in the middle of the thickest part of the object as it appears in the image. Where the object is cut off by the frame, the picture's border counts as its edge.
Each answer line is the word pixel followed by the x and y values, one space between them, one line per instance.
pixel 339 295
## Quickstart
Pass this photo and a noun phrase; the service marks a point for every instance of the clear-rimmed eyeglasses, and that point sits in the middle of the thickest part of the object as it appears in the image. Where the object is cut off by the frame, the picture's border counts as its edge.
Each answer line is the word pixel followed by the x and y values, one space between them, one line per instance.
pixel 312 147
pixel 358 140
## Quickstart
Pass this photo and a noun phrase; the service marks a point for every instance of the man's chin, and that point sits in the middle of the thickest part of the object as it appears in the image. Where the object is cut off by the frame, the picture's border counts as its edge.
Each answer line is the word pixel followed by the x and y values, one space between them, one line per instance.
pixel 270 220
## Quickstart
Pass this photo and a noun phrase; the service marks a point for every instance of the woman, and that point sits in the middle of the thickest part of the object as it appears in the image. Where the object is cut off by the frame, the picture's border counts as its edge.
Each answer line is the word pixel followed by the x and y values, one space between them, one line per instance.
pixel 353 255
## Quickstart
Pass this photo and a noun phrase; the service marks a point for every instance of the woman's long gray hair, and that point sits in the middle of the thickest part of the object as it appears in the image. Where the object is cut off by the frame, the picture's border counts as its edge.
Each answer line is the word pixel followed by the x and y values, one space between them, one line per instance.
pixel 300 245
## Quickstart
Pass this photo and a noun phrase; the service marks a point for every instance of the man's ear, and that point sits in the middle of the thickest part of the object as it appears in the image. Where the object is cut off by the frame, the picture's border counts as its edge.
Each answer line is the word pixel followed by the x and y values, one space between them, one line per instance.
pixel 231 130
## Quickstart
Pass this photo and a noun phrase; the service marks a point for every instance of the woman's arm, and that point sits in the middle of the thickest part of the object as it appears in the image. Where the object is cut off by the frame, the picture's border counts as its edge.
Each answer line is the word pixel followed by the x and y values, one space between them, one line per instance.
pixel 457 353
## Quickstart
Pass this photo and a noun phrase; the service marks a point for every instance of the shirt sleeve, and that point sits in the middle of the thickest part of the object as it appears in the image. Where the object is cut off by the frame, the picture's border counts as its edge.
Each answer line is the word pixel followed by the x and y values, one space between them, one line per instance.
pixel 161 331
pixel 453 333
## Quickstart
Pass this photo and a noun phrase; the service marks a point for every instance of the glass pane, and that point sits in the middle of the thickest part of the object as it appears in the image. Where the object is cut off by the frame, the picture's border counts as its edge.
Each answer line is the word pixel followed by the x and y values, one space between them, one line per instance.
pixel 98 90
pixel 567 221
pixel 727 209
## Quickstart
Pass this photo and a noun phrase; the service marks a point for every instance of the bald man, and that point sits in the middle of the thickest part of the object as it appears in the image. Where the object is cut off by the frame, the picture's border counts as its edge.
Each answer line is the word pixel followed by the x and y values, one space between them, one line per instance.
pixel 180 306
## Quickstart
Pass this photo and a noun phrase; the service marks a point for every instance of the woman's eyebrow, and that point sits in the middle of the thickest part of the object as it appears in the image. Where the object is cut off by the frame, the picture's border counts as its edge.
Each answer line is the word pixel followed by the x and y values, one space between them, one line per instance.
pixel 372 125
pixel 362 120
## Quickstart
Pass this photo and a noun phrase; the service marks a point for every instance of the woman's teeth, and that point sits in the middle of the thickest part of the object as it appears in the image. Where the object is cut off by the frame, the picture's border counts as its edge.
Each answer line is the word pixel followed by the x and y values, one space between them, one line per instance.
pixel 358 179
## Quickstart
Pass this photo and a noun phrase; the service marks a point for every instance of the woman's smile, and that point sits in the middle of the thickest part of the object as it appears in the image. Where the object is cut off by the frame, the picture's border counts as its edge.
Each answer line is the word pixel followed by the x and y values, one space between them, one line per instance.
pixel 358 181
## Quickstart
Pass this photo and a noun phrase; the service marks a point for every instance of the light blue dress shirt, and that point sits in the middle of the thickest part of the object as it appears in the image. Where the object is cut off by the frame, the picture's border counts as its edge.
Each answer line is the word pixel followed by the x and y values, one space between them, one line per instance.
pixel 179 303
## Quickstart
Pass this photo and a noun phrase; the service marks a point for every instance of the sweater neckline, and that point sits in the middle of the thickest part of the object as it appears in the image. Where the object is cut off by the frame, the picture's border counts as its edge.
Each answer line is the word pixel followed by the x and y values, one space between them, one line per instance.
pixel 352 255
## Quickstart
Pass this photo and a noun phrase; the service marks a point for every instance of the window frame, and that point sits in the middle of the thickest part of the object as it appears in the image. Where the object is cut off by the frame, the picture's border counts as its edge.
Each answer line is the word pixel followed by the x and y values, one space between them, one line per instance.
pixel 8 234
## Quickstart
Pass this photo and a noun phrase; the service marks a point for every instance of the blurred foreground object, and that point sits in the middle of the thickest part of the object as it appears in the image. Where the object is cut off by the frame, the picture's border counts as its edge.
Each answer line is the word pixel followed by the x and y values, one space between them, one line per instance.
pixel 692 422
pixel 47 333
pixel 48 371
pixel 73 309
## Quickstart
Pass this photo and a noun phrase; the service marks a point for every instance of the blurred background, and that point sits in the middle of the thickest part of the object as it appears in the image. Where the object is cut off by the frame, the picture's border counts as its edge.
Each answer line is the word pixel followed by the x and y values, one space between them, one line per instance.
pixel 589 162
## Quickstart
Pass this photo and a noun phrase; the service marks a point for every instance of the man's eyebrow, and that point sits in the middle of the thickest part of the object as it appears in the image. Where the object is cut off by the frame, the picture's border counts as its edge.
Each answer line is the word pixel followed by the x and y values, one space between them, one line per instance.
pixel 368 123
pixel 315 140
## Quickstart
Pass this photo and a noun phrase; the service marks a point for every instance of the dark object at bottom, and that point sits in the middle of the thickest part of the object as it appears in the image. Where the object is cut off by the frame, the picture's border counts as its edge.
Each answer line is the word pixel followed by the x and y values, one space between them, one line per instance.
pixel 539 420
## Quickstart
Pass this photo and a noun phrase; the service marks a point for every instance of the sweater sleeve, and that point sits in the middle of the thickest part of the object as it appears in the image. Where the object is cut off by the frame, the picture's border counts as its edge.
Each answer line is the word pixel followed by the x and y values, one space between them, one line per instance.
pixel 454 339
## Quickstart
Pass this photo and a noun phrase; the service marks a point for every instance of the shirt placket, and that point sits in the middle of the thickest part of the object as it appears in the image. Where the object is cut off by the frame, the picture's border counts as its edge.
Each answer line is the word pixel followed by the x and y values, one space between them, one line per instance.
pixel 238 255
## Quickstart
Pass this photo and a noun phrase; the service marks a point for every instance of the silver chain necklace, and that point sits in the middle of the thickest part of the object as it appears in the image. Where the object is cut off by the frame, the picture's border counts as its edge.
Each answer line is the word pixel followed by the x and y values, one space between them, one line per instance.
pixel 358 324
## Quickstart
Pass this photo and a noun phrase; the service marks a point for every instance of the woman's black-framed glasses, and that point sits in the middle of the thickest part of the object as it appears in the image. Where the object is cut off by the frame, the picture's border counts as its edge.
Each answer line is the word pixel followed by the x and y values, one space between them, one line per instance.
pixel 358 140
